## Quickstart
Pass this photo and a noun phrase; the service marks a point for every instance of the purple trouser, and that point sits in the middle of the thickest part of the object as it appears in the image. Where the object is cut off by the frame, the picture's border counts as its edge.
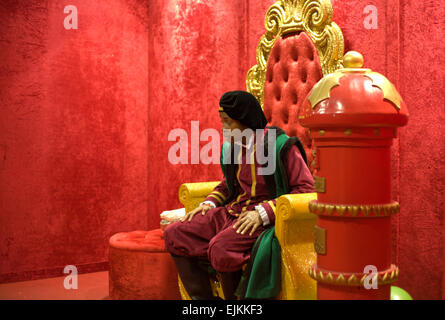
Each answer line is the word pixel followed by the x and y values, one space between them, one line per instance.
pixel 212 236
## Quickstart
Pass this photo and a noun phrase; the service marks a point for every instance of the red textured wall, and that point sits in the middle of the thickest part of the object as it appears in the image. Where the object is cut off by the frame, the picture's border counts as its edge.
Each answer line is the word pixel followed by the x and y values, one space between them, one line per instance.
pixel 197 51
pixel 73 133
pixel 86 116
pixel 422 178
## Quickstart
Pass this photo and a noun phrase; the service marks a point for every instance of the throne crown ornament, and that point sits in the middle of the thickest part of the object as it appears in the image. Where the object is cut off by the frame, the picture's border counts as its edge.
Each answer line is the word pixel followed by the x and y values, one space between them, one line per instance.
pixel 292 16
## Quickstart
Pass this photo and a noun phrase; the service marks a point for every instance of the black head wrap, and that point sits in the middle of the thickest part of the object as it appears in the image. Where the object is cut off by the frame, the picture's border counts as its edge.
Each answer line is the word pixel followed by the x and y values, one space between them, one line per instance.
pixel 244 107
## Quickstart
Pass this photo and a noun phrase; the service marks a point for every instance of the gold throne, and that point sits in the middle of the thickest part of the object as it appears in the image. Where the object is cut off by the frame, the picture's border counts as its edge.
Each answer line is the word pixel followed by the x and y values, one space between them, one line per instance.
pixel 300 46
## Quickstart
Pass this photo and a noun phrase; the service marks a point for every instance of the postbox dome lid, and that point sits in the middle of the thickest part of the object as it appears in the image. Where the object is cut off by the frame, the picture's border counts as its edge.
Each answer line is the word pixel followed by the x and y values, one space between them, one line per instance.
pixel 354 96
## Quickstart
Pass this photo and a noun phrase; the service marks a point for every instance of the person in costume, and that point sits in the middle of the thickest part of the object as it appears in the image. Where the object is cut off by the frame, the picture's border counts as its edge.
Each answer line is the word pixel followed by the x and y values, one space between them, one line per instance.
pixel 225 227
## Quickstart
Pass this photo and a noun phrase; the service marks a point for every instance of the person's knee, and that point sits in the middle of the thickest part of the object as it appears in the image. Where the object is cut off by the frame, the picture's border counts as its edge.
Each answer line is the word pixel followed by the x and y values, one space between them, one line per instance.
pixel 167 232
pixel 218 255
pixel 170 236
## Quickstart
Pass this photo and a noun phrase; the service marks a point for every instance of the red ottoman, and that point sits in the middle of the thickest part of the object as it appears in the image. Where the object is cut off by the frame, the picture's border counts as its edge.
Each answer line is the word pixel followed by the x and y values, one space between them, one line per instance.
pixel 141 268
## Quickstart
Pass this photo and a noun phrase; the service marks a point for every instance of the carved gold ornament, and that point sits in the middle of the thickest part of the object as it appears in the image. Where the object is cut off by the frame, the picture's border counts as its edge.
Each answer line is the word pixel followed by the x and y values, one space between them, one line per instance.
pixel 286 16
pixel 389 91
pixel 323 88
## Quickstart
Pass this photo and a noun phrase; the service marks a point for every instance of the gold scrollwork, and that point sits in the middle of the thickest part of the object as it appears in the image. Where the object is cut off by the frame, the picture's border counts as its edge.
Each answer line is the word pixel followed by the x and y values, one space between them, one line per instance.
pixel 184 193
pixel 285 16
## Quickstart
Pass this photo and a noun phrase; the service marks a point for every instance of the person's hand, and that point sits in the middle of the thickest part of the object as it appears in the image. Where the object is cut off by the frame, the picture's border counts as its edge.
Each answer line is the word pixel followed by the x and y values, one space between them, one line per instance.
pixel 248 220
pixel 202 208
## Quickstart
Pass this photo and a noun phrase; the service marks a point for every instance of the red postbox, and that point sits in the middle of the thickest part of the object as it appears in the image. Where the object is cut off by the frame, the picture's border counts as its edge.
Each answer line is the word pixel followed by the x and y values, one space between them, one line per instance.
pixel 353 115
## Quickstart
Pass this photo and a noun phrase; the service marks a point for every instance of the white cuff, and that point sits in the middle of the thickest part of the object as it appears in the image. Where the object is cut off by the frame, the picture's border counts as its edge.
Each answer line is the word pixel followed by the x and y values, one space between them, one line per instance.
pixel 263 214
pixel 211 203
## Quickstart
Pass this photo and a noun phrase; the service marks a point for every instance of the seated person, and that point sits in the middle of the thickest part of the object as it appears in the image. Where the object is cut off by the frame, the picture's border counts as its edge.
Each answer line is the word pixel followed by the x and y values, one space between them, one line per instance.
pixel 223 229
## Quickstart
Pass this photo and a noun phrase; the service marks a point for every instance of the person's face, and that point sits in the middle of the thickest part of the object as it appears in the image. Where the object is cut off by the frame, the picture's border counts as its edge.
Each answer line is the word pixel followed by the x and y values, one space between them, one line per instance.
pixel 230 124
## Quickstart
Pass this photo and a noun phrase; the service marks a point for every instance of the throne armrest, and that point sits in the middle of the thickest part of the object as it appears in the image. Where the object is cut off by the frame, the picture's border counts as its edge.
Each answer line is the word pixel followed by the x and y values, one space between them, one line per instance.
pixel 294 229
pixel 192 194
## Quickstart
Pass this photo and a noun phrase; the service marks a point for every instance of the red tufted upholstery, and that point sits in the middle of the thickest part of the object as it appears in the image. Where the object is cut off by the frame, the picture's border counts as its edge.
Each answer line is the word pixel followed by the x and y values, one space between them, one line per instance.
pixel 141 268
pixel 139 240
pixel 293 68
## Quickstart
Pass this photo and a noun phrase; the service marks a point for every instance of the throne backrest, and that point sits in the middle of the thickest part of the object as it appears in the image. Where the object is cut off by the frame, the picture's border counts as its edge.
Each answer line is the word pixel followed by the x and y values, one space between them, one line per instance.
pixel 293 68
pixel 301 44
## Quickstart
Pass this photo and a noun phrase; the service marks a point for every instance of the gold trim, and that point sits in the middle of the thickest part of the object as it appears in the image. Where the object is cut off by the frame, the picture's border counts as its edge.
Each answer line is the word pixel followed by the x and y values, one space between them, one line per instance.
pixel 353 279
pixel 329 209
pixel 340 279
pixel 247 204
pixel 353 210
pixel 218 193
pixel 358 211
pixel 320 240
pixel 237 176
pixel 319 184
pixel 182 290
pixel 322 89
pixel 389 90
pixel 340 209
pixel 218 198
pixel 252 173
pixel 285 16
pixel 270 202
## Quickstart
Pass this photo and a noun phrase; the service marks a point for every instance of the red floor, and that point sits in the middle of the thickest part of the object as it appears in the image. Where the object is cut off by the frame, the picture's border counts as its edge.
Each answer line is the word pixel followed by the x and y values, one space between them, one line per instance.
pixel 90 286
